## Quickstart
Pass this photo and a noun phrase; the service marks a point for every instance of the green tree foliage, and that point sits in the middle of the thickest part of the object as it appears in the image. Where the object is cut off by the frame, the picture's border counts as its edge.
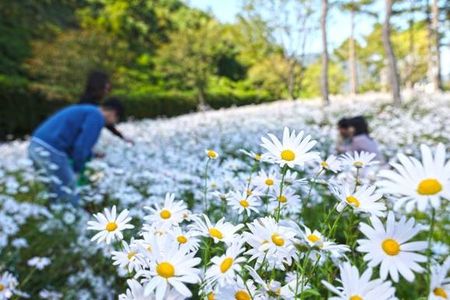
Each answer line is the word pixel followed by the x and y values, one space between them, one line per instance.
pixel 410 47
pixel 311 83
pixel 165 57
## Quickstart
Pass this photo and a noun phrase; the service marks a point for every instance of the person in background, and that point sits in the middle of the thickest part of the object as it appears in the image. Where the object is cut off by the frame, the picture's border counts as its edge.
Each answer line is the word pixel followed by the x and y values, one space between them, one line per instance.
pixel 345 136
pixel 356 131
pixel 97 87
pixel 63 143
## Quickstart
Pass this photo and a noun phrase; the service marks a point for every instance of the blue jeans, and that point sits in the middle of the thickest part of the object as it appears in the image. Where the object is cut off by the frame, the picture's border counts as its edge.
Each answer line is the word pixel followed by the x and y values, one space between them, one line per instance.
pixel 56 167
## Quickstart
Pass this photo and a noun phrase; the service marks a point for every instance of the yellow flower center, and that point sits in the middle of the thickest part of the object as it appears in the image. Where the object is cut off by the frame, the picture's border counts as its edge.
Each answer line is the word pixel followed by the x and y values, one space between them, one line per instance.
pixel 244 203
pixel 358 164
pixel 182 239
pixel 429 186
pixel 211 296
pixel 165 269
pixel 258 156
pixel 131 254
pixel 212 154
pixel 269 181
pixel 355 297
pixel 242 295
pixel 353 201
pixel 282 199
pixel 277 239
pixel 391 247
pixel 165 214
pixel 111 226
pixel 313 238
pixel 2 287
pixel 214 232
pixel 324 165
pixel 440 292
pixel 226 264
pixel 287 155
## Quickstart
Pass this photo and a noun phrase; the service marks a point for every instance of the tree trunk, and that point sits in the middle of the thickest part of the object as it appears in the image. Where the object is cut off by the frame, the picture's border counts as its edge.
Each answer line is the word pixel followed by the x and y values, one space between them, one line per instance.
pixel 411 60
pixel 434 61
pixel 201 99
pixel 324 78
pixel 392 62
pixel 352 56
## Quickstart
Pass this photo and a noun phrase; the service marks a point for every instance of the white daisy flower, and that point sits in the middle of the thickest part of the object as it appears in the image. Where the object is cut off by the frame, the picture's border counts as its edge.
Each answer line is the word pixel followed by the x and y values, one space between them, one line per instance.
pixel 440 281
pixel 317 241
pixel 128 257
pixel 389 247
pixel 147 244
pixel 220 232
pixel 288 200
pixel 270 242
pixel 169 214
pixel 364 200
pixel 211 154
pixel 266 289
pixel 356 287
pixel 8 284
pixel 187 240
pixel 358 159
pixel 226 267
pixel 332 163
pixel 136 291
pixel 39 262
pixel 292 180
pixel 241 202
pixel 418 184
pixel 294 150
pixel 51 295
pixel 109 225
pixel 238 290
pixel 255 156
pixel 312 238
pixel 222 196
pixel 170 266
pixel 266 181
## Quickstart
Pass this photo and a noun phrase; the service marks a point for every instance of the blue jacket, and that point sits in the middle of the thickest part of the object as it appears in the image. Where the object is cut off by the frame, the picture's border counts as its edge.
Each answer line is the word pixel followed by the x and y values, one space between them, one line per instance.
pixel 73 130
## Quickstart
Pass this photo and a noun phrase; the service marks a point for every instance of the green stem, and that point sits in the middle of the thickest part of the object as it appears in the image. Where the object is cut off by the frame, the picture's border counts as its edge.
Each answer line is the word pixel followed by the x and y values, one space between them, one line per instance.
pixel 278 211
pixel 357 183
pixel 305 264
pixel 205 188
pixel 430 239
pixel 334 226
pixel 313 183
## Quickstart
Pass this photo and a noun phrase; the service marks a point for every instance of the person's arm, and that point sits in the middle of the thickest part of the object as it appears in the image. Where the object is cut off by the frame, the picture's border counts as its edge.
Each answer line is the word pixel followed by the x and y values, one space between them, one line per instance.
pixel 115 131
pixel 86 140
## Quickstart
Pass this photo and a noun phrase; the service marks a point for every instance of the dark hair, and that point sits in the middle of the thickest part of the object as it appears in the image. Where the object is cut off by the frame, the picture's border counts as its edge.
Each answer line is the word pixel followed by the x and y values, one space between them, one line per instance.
pixel 115 105
pixel 95 88
pixel 343 123
pixel 359 123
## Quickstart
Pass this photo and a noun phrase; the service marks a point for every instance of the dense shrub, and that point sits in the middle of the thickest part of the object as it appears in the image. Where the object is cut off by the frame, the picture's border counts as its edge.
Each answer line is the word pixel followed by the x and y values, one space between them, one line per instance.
pixel 217 99
pixel 156 104
pixel 23 108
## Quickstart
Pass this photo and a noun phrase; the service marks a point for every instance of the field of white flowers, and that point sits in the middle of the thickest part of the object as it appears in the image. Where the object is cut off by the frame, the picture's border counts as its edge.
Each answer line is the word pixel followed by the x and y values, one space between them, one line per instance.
pixel 243 203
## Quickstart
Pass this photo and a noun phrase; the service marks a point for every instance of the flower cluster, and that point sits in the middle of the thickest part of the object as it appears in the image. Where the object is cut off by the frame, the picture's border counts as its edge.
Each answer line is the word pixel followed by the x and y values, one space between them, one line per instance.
pixel 282 216
pixel 264 249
